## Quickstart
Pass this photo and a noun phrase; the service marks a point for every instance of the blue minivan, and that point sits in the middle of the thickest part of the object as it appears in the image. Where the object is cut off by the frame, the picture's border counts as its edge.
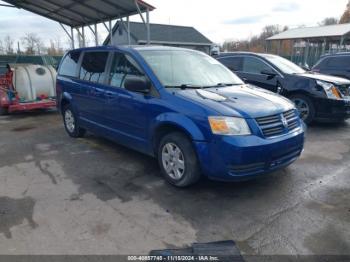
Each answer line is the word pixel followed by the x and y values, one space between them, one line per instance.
pixel 182 107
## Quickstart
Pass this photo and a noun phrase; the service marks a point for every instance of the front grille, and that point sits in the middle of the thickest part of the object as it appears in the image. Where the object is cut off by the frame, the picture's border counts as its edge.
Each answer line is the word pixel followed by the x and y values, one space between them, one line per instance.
pixel 292 119
pixel 270 163
pixel 274 125
pixel 251 168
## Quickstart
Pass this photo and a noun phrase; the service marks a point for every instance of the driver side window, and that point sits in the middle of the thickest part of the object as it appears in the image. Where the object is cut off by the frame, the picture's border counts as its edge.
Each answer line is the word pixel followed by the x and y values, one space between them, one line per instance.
pixel 254 66
pixel 123 66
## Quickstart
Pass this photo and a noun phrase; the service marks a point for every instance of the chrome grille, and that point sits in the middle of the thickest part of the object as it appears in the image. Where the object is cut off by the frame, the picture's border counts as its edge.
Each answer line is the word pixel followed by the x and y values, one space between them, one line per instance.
pixel 292 119
pixel 273 125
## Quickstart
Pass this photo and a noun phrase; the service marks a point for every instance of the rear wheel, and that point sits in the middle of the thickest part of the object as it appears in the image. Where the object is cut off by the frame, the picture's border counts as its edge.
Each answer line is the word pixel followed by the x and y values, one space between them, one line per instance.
pixel 71 124
pixel 305 107
pixel 178 160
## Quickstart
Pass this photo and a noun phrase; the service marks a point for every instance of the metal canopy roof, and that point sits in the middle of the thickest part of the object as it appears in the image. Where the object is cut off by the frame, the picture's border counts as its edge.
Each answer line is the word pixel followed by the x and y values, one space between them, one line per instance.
pixel 313 32
pixel 79 13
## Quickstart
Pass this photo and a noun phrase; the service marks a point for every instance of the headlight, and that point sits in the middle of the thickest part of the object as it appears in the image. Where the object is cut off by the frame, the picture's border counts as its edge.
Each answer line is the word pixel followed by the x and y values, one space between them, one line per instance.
pixel 229 126
pixel 330 89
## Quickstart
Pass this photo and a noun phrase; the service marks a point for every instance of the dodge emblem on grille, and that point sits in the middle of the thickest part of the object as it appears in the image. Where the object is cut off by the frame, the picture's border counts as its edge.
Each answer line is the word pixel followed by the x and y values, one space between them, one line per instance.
pixel 284 121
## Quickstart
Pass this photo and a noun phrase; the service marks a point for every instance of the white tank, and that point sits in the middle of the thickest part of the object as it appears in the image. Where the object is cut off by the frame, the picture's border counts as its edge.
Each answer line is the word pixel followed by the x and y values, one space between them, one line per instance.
pixel 33 81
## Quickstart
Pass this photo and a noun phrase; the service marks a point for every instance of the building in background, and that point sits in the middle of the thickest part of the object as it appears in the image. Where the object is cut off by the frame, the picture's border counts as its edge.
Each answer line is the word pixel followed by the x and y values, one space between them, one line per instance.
pixel 308 44
pixel 167 35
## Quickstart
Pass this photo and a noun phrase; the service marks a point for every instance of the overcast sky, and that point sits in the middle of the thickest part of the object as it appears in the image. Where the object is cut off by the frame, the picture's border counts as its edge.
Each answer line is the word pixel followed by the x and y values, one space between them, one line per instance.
pixel 219 20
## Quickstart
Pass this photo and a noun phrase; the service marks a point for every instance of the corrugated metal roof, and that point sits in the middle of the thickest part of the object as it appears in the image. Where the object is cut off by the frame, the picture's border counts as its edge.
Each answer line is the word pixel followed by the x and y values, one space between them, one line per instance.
pixel 81 13
pixel 313 32
pixel 161 33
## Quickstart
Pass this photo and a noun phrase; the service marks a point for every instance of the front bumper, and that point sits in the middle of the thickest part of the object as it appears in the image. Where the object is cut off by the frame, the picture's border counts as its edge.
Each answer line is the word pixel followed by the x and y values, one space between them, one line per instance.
pixel 331 109
pixel 244 158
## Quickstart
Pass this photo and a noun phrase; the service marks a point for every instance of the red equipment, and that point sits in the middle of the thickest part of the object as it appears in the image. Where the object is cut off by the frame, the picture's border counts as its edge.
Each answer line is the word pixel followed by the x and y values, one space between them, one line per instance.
pixel 10 102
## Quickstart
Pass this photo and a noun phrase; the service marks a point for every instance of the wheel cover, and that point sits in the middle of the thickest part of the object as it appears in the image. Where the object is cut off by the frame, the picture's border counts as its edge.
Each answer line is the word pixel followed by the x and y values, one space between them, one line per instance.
pixel 173 161
pixel 302 107
pixel 69 120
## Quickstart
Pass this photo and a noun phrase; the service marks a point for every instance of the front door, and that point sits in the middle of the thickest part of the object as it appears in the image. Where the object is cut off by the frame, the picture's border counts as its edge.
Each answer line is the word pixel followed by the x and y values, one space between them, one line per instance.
pixel 251 73
pixel 126 112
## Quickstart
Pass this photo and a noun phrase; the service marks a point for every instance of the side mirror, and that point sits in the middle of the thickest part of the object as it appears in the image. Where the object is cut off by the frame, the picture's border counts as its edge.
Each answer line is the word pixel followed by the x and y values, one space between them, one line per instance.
pixel 268 73
pixel 138 84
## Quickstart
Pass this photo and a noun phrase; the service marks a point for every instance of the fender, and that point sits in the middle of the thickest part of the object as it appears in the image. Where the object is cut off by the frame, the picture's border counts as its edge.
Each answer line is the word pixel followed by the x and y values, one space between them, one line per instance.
pixel 64 96
pixel 180 121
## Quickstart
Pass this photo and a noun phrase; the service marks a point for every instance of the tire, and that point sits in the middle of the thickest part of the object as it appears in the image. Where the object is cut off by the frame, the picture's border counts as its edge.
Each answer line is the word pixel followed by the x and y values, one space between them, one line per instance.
pixel 174 152
pixel 3 111
pixel 305 107
pixel 71 124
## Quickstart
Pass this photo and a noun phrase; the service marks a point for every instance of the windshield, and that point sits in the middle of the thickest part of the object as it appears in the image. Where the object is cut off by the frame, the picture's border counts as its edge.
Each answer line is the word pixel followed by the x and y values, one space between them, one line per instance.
pixel 176 68
pixel 285 65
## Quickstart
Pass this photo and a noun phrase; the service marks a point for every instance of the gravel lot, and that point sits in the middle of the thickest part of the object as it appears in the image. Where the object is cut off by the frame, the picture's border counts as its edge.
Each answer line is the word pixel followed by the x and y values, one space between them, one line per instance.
pixel 90 196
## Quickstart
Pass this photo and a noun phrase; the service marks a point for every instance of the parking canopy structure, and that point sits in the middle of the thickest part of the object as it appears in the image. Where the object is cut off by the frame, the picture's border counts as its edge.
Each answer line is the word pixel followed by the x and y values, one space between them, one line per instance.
pixel 86 13
pixel 310 43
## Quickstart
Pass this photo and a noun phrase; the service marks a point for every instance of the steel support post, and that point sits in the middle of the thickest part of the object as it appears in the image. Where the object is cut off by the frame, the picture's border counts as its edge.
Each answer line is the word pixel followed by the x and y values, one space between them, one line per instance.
pixel 73 42
pixel 110 31
pixel 128 28
pixel 324 45
pixel 148 27
pixel 83 35
pixel 145 22
pixel 96 35
pixel 94 32
pixel 341 43
pixel 70 35
pixel 306 55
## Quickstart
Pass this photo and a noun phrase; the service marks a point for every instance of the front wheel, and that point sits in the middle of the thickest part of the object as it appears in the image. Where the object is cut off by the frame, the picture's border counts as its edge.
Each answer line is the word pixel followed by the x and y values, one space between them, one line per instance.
pixel 71 124
pixel 305 107
pixel 178 160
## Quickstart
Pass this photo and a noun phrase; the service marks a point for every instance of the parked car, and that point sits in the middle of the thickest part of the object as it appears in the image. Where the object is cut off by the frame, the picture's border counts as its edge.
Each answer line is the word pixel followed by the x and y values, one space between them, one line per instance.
pixel 180 106
pixel 317 96
pixel 336 65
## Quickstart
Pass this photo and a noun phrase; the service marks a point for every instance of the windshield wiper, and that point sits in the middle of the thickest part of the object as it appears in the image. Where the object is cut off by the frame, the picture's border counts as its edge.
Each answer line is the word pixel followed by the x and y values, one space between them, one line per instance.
pixel 185 86
pixel 223 85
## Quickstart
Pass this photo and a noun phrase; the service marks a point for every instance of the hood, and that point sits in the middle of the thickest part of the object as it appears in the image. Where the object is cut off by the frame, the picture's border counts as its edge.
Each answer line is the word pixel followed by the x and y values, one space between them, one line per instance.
pixel 245 101
pixel 327 78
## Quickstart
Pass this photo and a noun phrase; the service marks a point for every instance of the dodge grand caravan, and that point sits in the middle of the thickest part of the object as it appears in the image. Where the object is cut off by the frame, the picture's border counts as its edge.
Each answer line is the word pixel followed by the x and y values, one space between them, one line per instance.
pixel 182 107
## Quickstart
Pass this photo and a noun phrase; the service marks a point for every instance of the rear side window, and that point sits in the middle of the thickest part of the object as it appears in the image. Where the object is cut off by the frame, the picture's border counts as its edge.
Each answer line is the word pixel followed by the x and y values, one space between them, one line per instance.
pixel 69 64
pixel 93 67
pixel 233 63
pixel 341 62
pixel 254 65
pixel 122 67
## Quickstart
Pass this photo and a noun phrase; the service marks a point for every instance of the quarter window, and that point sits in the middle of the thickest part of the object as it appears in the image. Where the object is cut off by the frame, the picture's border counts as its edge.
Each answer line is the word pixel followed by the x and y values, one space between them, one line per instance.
pixel 93 67
pixel 69 64
pixel 122 67
pixel 254 65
